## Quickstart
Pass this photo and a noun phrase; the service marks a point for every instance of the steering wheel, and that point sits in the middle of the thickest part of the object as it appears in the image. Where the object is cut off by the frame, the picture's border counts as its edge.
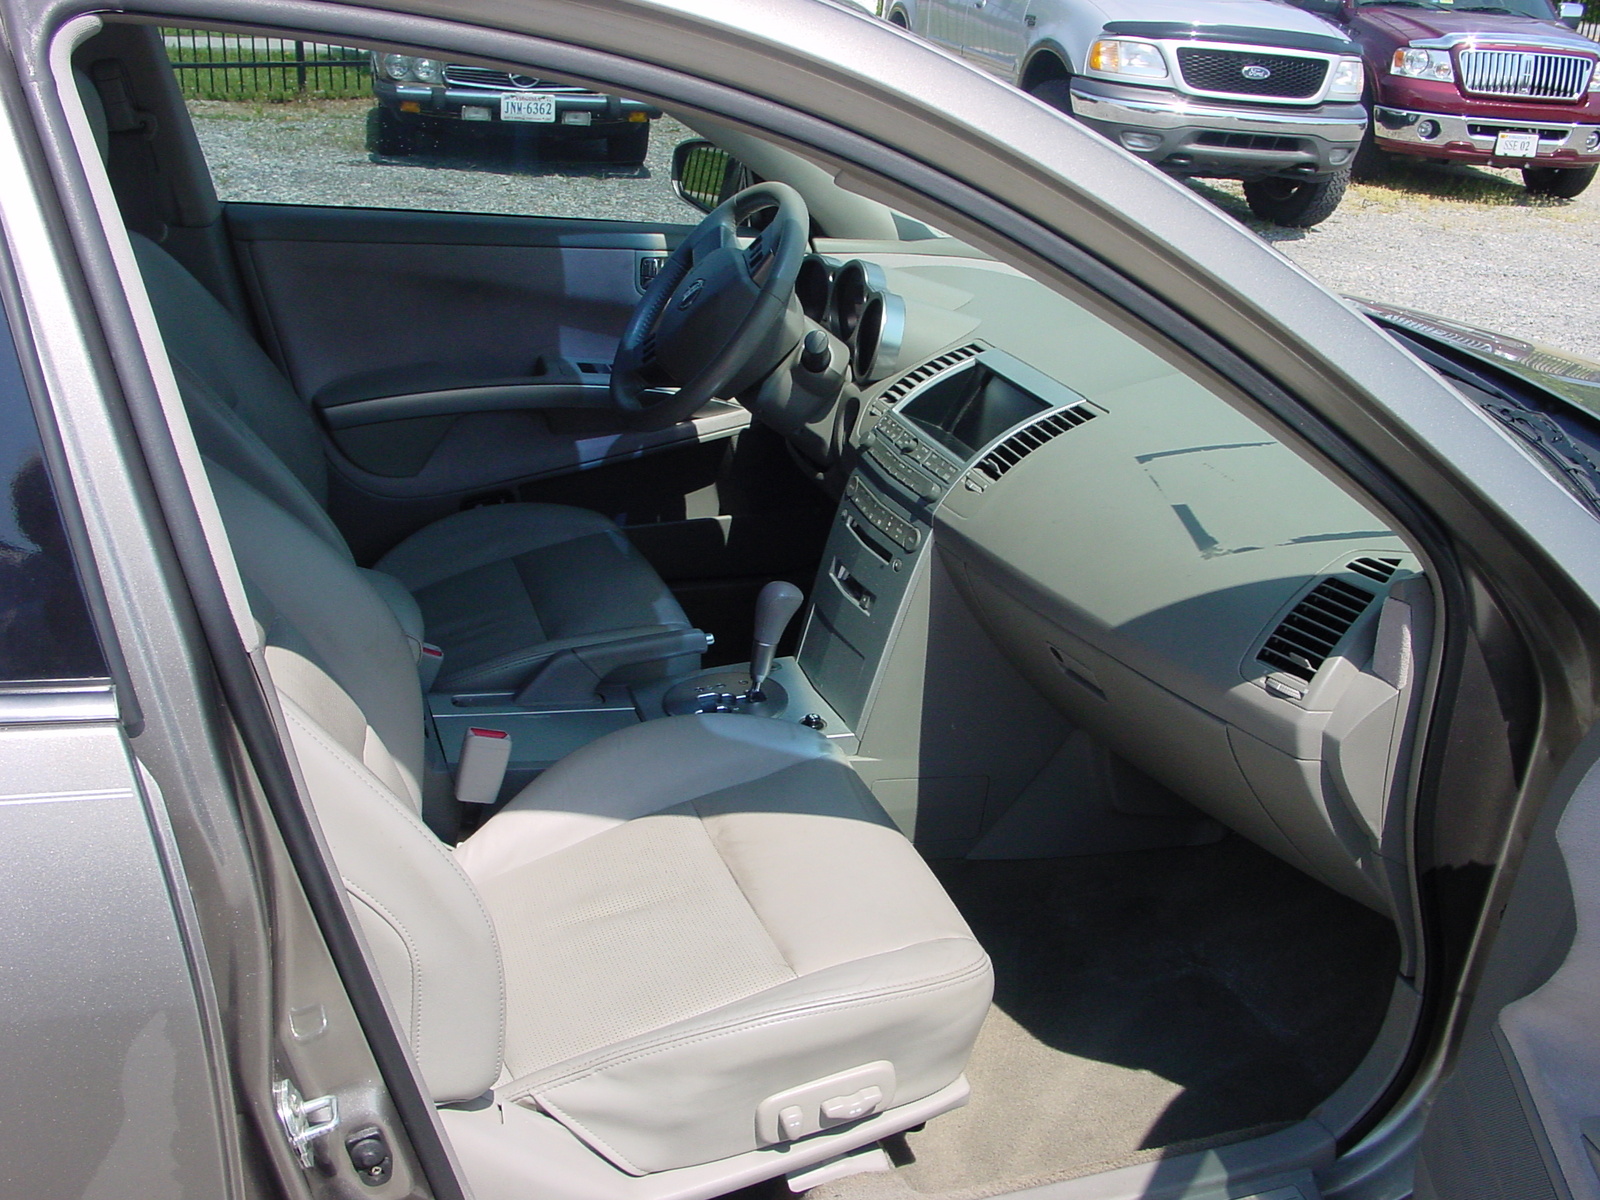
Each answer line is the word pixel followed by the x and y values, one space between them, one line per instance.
pixel 711 323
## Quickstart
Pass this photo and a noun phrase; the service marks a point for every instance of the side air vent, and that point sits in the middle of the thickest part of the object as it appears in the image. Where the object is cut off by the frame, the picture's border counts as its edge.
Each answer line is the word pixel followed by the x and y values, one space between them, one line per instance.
pixel 902 387
pixel 1030 437
pixel 1303 640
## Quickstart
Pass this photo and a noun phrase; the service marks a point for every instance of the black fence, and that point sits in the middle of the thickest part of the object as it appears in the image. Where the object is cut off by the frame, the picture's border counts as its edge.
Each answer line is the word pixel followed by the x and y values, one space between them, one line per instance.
pixel 230 66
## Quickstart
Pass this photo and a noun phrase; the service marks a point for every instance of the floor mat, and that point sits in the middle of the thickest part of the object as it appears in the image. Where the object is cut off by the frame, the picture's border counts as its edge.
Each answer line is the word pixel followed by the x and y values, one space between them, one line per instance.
pixel 1146 1004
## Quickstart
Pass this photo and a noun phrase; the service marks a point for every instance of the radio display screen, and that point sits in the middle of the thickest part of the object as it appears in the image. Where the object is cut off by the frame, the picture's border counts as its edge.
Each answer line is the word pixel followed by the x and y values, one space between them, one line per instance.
pixel 968 409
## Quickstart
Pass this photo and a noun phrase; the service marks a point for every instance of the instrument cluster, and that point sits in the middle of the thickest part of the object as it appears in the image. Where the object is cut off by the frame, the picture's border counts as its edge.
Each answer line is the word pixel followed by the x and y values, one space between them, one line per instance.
pixel 853 302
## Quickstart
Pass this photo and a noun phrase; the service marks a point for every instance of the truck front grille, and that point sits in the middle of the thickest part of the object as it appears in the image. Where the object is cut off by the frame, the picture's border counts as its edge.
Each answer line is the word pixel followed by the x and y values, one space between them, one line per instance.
pixel 1246 73
pixel 458 75
pixel 1523 73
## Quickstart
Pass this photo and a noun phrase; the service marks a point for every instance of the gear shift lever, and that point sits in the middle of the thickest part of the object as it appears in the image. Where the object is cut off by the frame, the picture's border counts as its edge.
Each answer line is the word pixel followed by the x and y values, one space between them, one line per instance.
pixel 775 608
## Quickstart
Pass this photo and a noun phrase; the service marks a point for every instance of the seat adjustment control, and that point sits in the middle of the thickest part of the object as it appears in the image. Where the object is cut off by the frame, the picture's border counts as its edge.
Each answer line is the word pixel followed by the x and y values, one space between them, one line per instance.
pixel 824 1103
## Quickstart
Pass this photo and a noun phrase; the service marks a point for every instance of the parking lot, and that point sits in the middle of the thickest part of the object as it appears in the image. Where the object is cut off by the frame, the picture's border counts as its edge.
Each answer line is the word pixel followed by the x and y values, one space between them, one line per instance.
pixel 1464 243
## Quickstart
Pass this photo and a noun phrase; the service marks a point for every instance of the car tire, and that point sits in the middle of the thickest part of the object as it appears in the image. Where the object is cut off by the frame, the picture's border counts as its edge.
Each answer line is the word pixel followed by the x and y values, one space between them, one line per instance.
pixel 389 134
pixel 899 18
pixel 629 149
pixel 1566 182
pixel 1057 93
pixel 1296 203
pixel 1369 162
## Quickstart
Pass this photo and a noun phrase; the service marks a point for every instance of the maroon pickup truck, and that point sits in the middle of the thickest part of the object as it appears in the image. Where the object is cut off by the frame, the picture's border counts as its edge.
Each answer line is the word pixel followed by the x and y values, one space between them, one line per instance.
pixel 1501 83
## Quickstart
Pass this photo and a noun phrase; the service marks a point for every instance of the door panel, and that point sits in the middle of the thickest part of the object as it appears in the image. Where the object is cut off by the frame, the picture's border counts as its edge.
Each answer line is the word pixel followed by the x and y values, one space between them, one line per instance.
pixel 453 355
pixel 345 293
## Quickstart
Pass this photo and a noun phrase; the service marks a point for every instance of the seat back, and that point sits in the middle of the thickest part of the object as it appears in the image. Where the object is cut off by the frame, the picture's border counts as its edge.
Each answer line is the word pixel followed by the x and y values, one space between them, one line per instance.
pixel 245 415
pixel 348 688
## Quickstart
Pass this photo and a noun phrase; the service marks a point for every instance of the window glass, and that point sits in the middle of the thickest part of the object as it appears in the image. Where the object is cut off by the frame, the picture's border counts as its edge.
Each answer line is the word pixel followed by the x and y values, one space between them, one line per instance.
pixel 293 122
pixel 45 630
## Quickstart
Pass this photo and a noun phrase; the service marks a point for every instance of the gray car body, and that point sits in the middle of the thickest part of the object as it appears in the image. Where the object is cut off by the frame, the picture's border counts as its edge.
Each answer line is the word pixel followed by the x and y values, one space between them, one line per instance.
pixel 162 953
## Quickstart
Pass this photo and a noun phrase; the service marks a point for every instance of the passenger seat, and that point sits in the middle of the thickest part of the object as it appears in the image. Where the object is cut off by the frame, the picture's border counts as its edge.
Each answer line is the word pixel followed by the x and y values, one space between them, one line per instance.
pixel 695 946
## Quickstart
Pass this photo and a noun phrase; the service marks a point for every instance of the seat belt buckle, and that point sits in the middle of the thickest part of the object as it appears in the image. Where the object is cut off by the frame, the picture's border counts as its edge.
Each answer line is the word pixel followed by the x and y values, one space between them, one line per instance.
pixel 429 660
pixel 481 771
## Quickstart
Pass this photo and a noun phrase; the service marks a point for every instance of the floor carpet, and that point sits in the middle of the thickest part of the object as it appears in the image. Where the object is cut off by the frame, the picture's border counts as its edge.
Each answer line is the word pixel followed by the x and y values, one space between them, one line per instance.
pixel 1146 1004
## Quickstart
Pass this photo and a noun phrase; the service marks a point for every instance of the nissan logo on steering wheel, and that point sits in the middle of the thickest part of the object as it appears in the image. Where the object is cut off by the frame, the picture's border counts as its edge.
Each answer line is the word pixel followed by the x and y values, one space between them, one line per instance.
pixel 691 293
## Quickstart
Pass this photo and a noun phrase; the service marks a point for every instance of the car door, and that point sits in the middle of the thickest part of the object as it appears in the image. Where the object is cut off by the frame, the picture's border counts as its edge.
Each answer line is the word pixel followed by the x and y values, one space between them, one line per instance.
pixel 1520 1115
pixel 449 313
pixel 997 35
pixel 941 22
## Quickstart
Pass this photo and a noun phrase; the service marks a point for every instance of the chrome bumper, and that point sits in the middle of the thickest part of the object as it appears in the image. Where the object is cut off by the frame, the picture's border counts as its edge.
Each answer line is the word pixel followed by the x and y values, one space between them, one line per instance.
pixel 1401 125
pixel 1166 110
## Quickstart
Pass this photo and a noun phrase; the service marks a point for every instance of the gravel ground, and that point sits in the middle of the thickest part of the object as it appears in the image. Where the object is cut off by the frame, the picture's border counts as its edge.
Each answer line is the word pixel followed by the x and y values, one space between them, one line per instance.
pixel 314 152
pixel 1464 243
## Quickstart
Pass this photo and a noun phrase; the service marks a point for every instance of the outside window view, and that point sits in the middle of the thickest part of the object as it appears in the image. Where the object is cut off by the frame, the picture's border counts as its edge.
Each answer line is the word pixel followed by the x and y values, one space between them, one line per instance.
pixel 284 122
pixel 299 123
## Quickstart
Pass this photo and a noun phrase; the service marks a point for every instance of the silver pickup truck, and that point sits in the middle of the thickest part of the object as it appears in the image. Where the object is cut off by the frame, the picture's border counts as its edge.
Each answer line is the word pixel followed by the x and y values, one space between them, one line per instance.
pixel 1228 89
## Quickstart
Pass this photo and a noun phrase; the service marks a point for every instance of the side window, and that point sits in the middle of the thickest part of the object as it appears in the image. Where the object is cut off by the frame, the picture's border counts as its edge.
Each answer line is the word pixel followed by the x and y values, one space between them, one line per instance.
pixel 295 122
pixel 45 629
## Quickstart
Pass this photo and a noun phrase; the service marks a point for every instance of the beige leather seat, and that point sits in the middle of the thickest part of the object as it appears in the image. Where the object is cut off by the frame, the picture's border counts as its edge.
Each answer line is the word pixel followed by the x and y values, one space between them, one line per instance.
pixel 697 941
pixel 501 588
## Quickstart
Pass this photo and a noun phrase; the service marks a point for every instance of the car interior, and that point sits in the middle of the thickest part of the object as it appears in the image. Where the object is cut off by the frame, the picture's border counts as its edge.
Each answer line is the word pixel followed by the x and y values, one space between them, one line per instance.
pixel 793 695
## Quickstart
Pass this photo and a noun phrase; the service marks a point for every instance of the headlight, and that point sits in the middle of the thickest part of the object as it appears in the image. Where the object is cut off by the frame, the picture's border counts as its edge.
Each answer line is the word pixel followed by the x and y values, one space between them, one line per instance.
pixel 1117 57
pixel 1418 63
pixel 427 70
pixel 397 66
pixel 1594 81
pixel 1349 81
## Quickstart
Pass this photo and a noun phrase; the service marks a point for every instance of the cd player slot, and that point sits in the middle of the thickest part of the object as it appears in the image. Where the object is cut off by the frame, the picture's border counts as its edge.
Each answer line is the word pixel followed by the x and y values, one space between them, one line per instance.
pixel 872 545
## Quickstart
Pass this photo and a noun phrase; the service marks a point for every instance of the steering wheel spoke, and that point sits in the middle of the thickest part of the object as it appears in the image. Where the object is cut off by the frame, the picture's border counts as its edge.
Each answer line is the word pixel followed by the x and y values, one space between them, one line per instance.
pixel 710 319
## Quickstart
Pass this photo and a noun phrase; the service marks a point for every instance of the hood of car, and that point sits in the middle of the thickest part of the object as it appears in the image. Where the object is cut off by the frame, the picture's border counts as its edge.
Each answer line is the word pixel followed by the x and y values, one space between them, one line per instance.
pixel 1415 24
pixel 1258 15
pixel 1572 380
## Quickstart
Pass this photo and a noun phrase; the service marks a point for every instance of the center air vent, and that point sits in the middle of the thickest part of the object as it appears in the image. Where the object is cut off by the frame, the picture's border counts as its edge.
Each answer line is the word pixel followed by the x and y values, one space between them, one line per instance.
pixel 1303 640
pixel 1030 437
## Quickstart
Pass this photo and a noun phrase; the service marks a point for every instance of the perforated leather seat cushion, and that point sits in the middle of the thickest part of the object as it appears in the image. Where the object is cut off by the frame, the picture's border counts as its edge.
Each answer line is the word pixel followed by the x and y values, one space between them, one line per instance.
pixel 714 909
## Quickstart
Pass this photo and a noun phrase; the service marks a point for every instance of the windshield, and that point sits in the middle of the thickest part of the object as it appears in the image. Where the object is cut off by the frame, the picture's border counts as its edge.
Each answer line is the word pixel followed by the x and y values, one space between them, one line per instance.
pixel 1543 10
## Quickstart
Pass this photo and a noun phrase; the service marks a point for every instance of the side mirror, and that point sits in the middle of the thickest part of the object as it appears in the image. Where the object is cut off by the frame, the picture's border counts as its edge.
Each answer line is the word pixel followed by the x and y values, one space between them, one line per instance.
pixel 1571 14
pixel 705 175
pixel 1332 9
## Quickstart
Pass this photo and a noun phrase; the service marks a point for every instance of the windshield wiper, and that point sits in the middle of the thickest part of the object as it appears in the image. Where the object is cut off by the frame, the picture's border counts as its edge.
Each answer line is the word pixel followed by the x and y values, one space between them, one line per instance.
pixel 1485 8
pixel 1540 431
pixel 1552 442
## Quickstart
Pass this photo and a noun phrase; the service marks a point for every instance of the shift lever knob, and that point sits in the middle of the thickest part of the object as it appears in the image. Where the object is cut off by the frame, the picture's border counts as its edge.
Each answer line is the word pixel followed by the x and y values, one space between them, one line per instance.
pixel 775 608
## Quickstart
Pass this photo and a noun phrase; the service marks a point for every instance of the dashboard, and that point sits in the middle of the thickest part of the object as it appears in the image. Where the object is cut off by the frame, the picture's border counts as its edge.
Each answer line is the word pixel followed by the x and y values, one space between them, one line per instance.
pixel 1167 572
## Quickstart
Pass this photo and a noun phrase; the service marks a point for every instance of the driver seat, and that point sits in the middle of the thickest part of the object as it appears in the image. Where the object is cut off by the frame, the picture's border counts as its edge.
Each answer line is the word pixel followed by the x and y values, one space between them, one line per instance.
pixel 501 588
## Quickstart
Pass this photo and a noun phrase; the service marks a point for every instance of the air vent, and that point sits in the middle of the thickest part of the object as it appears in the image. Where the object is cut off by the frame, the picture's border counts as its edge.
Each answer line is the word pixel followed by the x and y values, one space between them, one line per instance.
pixel 1030 437
pixel 1380 569
pixel 1303 640
pixel 902 387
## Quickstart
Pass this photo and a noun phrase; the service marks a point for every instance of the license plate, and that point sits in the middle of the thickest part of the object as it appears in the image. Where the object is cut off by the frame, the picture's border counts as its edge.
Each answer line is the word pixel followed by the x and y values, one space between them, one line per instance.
pixel 1516 145
pixel 541 109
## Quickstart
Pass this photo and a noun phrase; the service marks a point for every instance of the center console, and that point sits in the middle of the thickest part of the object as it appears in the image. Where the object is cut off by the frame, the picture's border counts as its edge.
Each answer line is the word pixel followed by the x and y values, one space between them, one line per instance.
pixel 924 435
pixel 944 425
